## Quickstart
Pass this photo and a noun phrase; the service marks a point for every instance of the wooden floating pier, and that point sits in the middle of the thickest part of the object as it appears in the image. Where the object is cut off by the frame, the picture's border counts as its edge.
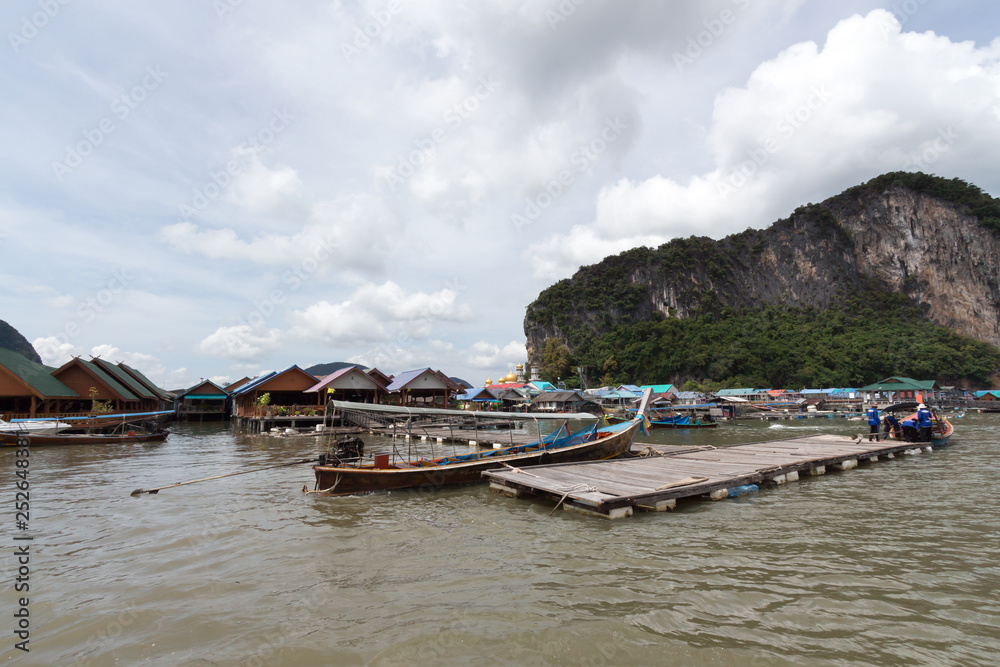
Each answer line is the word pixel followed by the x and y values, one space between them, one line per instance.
pixel 656 481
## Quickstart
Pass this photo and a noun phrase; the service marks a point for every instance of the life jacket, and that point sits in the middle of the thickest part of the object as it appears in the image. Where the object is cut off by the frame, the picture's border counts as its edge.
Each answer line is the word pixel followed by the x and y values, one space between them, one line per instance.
pixel 924 417
pixel 873 416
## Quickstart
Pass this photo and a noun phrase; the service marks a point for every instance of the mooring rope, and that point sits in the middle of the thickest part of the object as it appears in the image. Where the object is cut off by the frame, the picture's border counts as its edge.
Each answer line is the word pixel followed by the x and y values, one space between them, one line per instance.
pixel 575 487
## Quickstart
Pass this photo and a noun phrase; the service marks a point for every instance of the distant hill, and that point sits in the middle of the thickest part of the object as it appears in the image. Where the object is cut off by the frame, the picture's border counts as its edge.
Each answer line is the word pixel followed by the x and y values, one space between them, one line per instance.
pixel 321 370
pixel 897 276
pixel 11 339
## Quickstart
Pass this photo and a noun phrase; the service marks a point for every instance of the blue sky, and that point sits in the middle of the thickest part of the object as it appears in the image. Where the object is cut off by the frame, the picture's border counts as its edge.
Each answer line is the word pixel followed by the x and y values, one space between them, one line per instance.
pixel 214 189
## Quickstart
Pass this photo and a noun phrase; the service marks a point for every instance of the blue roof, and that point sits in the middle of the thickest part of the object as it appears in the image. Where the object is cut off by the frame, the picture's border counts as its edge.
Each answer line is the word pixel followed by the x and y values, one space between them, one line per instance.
pixel 406 378
pixel 689 394
pixel 543 385
pixel 254 383
pixel 658 388
pixel 634 388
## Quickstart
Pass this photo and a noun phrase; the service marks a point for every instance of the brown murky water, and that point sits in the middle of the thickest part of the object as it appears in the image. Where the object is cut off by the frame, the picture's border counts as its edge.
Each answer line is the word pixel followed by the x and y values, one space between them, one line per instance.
pixel 893 563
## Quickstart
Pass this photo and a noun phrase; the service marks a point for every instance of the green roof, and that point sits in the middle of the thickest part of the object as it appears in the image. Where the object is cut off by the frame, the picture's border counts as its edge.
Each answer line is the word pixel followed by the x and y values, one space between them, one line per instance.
pixel 146 381
pixel 124 378
pixel 897 383
pixel 658 388
pixel 35 375
pixel 110 381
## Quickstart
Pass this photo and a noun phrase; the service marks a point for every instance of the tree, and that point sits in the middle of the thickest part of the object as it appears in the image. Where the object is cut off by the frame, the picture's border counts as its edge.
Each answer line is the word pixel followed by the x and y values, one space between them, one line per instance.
pixel 557 360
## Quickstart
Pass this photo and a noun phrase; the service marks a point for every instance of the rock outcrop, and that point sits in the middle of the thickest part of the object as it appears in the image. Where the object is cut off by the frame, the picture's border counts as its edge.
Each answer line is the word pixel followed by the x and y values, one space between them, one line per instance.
pixel 897 233
pixel 11 339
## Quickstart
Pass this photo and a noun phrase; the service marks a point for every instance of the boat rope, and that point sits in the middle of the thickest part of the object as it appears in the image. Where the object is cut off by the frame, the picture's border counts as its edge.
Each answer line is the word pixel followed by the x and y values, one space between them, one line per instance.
pixel 576 487
pixel 306 490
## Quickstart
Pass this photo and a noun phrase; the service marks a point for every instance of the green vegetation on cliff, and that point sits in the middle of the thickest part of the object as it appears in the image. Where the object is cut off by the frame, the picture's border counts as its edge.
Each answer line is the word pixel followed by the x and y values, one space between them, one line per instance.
pixel 11 339
pixel 868 336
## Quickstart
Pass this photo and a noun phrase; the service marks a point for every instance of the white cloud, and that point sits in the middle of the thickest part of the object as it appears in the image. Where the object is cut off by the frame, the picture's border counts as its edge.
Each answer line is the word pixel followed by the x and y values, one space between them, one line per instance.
pixel 54 351
pixel 241 343
pixel 60 301
pixel 352 232
pixel 807 124
pixel 259 188
pixel 379 313
pixel 489 356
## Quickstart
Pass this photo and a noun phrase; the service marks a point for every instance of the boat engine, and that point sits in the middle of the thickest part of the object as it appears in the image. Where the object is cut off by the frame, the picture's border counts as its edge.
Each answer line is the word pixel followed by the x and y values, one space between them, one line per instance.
pixel 343 450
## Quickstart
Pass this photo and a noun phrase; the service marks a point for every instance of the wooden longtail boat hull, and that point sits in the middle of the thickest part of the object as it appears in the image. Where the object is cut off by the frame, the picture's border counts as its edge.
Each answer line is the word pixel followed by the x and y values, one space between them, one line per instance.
pixel 940 434
pixel 12 440
pixel 343 481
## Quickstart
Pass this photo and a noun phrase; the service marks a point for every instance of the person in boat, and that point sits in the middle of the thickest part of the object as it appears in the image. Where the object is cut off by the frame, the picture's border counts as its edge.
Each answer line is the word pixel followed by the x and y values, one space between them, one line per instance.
pixel 909 429
pixel 874 423
pixel 924 423
pixel 892 425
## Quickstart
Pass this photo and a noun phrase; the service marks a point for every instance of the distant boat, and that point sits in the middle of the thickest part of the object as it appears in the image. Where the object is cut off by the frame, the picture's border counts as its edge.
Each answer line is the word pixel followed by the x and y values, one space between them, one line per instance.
pixel 33 439
pixel 670 421
pixel 31 427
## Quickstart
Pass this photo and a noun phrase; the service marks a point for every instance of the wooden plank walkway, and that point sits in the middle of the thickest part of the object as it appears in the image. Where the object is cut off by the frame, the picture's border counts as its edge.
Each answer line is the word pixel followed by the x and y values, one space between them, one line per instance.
pixel 656 481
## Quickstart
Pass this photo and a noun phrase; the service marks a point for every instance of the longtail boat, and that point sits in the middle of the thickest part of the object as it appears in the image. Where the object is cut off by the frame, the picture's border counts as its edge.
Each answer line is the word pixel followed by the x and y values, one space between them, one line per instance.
pixel 668 421
pixel 338 477
pixel 941 431
pixel 32 439
pixel 34 426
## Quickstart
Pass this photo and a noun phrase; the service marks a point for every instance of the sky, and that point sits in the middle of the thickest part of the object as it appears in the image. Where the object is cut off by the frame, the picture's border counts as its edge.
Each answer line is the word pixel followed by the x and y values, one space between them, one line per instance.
pixel 220 188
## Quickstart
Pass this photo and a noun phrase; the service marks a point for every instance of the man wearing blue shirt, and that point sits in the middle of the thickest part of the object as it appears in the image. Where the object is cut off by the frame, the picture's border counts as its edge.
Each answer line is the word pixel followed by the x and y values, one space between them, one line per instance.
pixel 873 422
pixel 924 423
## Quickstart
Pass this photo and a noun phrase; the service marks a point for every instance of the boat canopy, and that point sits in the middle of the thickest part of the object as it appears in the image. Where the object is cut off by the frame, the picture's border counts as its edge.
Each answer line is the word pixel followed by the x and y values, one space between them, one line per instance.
pixel 399 409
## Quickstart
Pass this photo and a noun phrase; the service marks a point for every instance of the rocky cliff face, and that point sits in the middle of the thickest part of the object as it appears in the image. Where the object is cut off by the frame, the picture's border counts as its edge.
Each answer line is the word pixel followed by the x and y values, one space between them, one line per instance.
pixel 880 235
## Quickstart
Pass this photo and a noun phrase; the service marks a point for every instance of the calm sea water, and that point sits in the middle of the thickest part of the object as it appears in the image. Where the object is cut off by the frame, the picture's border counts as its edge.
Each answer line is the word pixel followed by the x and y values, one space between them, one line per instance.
pixel 896 563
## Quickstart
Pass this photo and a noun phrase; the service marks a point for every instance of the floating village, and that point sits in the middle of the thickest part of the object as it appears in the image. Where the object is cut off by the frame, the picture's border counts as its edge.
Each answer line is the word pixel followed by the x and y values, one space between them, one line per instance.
pixel 521 434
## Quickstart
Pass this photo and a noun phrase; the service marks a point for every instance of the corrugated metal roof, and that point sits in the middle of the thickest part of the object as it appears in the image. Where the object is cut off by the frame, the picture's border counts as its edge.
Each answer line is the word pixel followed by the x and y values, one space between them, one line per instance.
pixel 659 388
pixel 325 382
pixel 161 393
pixel 407 377
pixel 189 394
pixel 253 383
pixel 897 383
pixel 124 378
pixel 116 386
pixel 399 409
pixel 35 375
pixel 735 392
